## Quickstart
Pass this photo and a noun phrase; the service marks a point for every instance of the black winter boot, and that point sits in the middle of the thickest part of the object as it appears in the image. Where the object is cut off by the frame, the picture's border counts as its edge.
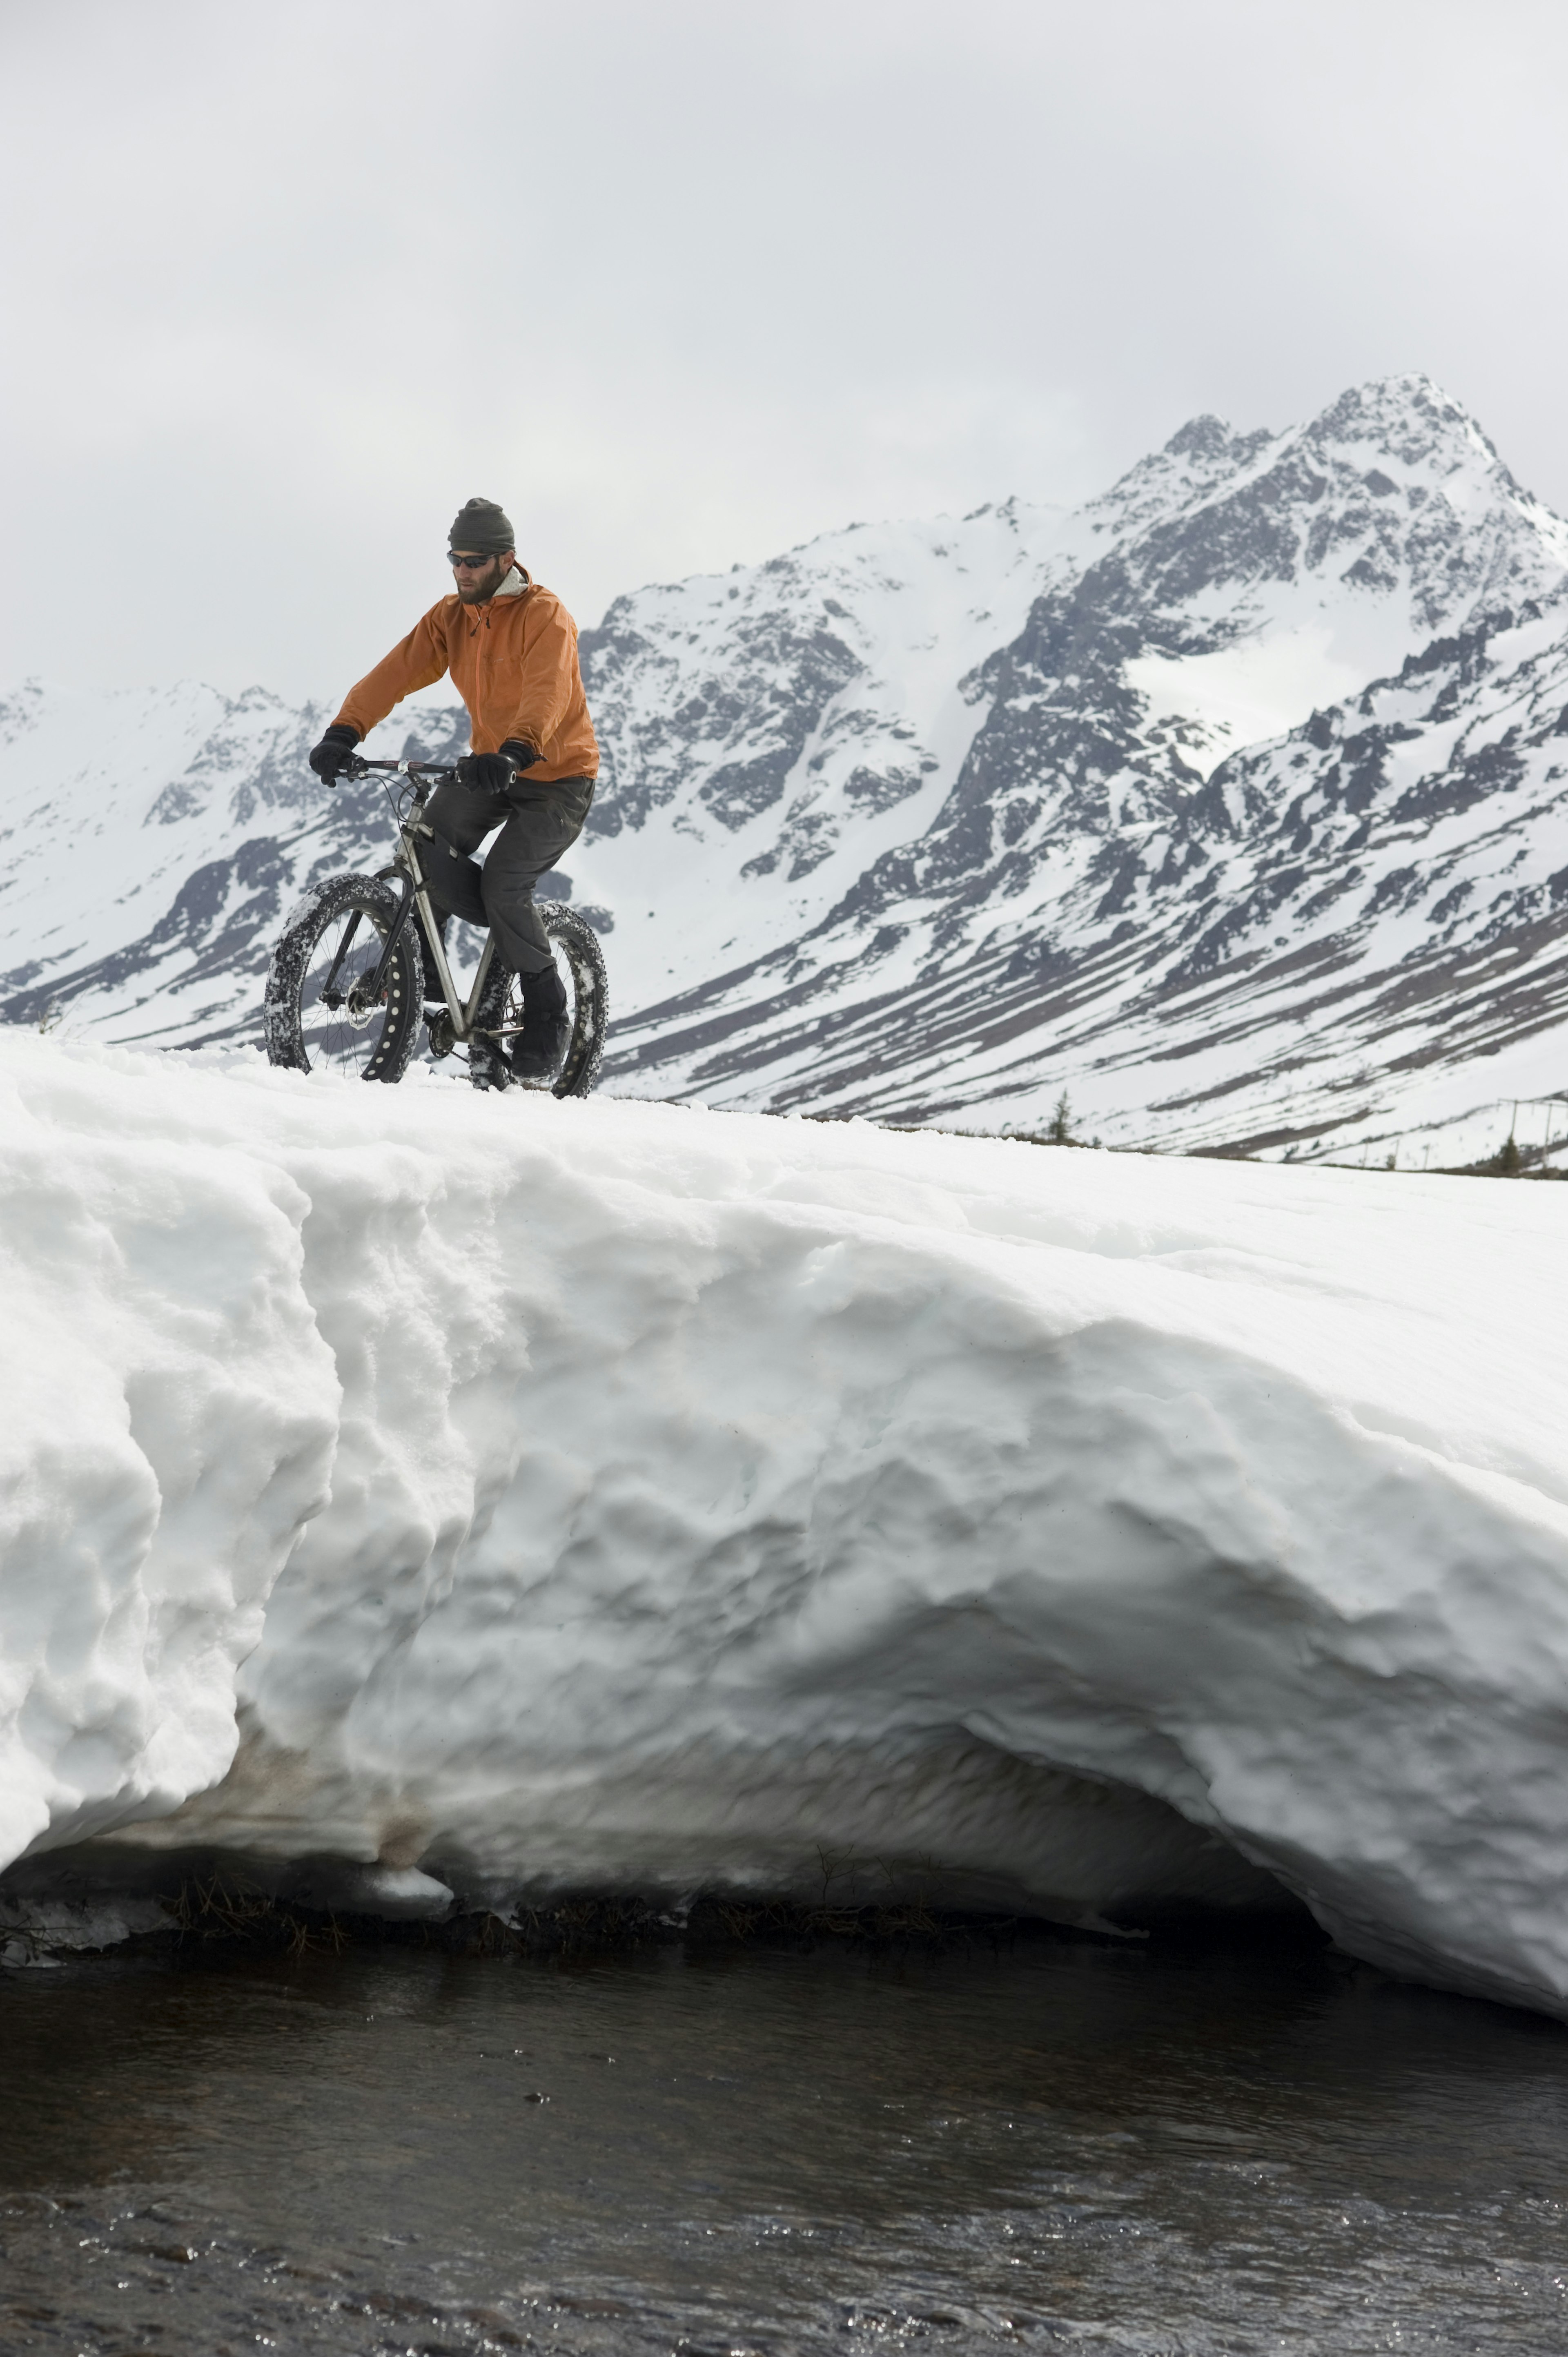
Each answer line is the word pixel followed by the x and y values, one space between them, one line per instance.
pixel 535 1054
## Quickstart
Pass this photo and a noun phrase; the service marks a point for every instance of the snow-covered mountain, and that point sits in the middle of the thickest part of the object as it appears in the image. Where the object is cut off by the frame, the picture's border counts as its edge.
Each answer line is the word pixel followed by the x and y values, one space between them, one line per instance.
pixel 1229 803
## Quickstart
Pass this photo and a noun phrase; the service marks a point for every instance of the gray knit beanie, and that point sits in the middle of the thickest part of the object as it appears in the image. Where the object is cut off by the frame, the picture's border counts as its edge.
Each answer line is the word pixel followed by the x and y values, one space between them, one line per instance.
pixel 481 529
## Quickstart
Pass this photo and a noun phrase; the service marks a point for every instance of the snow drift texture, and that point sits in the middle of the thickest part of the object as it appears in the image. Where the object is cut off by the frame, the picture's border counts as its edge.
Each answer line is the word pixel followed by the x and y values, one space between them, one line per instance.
pixel 621 1495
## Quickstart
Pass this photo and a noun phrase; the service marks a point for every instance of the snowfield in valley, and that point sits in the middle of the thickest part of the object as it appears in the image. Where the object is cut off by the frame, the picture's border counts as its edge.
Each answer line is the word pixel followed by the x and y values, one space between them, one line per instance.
pixel 504 1497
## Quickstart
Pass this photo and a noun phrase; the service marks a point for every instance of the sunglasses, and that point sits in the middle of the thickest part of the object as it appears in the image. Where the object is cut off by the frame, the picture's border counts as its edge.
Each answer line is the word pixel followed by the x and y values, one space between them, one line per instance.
pixel 468 564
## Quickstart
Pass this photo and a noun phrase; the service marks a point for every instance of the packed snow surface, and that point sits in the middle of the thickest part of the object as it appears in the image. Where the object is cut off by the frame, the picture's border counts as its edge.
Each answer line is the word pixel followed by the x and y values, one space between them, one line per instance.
pixel 501 1496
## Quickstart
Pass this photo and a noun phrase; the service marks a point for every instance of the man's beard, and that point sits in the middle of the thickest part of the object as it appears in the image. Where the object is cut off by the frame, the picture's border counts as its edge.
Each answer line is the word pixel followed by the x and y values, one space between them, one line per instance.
pixel 471 592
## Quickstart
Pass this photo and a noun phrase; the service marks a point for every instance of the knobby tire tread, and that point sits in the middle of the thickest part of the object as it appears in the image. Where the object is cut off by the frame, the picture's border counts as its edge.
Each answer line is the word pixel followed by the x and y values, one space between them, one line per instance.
pixel 579 945
pixel 283 1014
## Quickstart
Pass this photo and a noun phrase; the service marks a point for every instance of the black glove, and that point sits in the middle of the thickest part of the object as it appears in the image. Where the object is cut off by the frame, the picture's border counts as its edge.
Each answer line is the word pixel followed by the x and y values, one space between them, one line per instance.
pixel 490 774
pixel 330 758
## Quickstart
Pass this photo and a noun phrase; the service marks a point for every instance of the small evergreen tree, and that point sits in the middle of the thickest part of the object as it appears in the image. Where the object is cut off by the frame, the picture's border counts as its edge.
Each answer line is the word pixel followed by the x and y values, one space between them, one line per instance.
pixel 1508 1160
pixel 1060 1130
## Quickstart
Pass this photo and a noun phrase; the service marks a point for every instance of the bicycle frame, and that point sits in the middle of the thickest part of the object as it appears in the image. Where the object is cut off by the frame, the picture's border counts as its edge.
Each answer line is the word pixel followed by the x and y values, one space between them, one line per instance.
pixel 423 777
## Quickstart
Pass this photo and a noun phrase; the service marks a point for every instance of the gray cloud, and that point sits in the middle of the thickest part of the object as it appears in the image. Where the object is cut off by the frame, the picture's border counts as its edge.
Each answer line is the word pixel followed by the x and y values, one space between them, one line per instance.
pixel 686 284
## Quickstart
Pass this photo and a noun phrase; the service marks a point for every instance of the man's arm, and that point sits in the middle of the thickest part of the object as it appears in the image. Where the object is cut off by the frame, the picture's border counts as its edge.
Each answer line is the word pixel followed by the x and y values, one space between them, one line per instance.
pixel 417 661
pixel 549 675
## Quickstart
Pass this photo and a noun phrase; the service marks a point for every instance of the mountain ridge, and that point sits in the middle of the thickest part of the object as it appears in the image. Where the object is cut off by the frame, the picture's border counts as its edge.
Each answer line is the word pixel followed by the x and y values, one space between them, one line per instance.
pixel 1220 774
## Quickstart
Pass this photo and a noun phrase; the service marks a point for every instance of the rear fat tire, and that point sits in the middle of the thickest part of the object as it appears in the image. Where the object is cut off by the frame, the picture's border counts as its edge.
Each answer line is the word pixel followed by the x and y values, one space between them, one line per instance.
pixel 576 945
pixel 381 1050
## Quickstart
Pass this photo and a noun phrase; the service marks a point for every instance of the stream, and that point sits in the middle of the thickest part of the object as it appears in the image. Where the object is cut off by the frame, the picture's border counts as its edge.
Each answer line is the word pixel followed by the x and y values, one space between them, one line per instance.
pixel 1055 2146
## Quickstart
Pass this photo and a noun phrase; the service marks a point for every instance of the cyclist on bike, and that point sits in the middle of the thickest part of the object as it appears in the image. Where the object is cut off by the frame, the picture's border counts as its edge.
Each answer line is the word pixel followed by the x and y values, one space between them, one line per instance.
pixel 511 649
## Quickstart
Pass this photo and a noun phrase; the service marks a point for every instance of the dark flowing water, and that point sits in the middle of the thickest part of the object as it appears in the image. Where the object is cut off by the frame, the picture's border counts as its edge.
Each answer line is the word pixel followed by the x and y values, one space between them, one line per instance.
pixel 1065 2148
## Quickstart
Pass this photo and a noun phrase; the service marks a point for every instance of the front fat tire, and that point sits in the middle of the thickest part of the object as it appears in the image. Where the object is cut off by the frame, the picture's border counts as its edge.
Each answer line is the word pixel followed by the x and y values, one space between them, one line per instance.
pixel 576 941
pixel 381 1050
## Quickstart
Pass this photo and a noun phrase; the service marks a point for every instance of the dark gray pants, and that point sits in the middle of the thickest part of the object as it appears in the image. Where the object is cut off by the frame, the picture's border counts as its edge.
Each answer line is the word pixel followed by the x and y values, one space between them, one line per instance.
pixel 542 823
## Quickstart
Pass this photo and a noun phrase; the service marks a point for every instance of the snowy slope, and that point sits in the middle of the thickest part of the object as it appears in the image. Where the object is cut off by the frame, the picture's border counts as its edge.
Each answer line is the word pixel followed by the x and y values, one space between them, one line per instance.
pixel 1109 837
pixel 769 735
pixel 1230 803
pixel 624 1496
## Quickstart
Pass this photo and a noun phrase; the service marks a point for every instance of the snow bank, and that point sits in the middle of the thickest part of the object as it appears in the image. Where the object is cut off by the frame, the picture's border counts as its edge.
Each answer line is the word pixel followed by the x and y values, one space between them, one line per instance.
pixel 621 1495
pixel 169 1412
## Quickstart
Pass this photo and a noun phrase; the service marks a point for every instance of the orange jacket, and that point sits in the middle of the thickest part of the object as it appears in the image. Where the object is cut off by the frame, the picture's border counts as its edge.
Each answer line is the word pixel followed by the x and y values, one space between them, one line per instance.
pixel 514 663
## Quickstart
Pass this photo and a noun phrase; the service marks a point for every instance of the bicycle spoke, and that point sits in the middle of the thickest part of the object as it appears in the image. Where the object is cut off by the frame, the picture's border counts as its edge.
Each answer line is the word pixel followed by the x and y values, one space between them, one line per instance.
pixel 343 1036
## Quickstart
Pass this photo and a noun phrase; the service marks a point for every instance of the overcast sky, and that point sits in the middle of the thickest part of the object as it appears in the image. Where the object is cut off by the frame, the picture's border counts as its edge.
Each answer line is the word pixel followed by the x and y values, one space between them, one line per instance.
pixel 685 285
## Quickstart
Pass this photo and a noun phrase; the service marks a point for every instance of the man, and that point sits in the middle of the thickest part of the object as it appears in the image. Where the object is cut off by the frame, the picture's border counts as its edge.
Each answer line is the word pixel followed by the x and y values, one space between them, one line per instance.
pixel 512 650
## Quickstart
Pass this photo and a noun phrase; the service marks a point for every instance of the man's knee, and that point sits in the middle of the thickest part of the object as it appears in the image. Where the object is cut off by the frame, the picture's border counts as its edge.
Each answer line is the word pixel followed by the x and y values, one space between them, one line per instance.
pixel 456 884
pixel 461 819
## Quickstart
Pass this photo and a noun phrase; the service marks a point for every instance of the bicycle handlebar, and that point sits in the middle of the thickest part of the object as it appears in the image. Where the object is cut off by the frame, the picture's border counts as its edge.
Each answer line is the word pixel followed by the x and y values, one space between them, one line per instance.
pixel 357 766
pixel 419 773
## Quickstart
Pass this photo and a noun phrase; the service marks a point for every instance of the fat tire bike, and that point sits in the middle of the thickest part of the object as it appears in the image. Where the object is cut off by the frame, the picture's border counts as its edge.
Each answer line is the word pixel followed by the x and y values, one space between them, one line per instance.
pixel 352 979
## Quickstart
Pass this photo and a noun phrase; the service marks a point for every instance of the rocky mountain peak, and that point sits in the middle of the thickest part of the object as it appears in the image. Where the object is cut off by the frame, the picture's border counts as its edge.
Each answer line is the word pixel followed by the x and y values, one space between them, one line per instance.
pixel 1201 455
pixel 1407 418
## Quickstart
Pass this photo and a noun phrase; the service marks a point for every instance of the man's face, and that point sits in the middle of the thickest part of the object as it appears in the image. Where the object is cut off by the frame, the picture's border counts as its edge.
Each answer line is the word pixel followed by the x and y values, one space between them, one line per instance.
pixel 477 577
